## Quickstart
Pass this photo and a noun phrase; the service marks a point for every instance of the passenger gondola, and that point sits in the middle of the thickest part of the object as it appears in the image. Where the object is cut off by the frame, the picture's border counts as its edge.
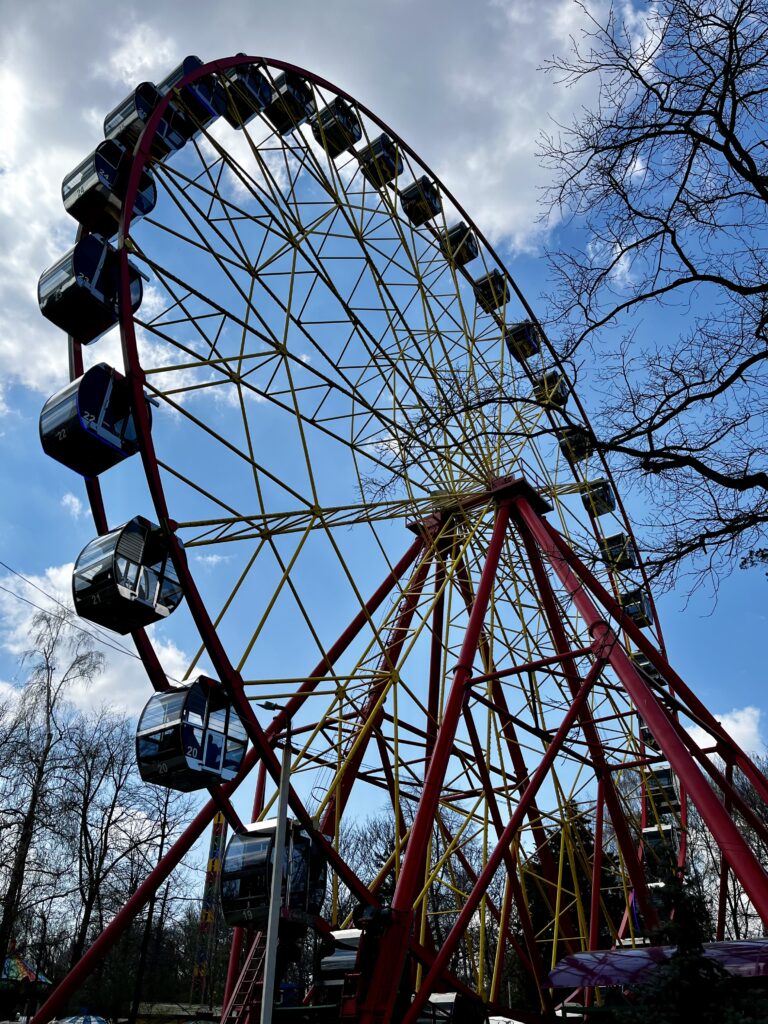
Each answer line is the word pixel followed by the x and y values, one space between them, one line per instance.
pixel 644 664
pixel 204 99
pixel 190 737
pixel 523 340
pixel 380 161
pixel 129 119
pixel 80 293
pixel 94 192
pixel 338 955
pixel 246 875
pixel 660 845
pixel 551 390
pixel 88 426
pixel 649 740
pixel 125 579
pixel 637 604
pixel 459 244
pixel 292 102
pixel 491 291
pixel 421 201
pixel 336 127
pixel 597 497
pixel 248 93
pixel 452 1008
pixel 619 551
pixel 576 443
pixel 662 792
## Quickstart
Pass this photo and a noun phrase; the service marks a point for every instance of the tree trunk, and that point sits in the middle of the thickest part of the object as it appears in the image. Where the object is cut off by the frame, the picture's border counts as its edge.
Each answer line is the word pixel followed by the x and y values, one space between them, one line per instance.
pixel 16 878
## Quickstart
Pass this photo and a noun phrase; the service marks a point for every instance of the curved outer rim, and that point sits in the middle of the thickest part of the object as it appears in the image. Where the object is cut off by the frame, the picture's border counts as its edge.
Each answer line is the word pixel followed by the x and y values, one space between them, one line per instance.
pixel 136 376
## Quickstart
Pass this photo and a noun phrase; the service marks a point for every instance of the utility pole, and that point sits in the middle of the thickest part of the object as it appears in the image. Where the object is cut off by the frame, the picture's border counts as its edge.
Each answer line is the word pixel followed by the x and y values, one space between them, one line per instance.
pixel 275 896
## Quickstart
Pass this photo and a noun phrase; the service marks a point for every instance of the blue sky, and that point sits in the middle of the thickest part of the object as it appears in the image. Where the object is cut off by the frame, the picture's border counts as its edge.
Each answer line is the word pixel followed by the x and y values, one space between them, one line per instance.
pixel 462 89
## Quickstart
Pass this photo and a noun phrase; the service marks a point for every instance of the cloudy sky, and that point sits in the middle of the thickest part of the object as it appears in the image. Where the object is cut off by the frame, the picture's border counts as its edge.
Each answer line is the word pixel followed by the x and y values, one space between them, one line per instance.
pixel 459 81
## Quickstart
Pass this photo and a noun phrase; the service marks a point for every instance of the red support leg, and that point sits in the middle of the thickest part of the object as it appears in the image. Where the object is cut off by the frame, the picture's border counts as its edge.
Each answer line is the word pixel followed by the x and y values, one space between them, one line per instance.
pixel 495 859
pixel 538 969
pixel 515 751
pixel 624 838
pixel 133 906
pixel 680 688
pixel 72 981
pixel 724 830
pixel 381 992
pixel 435 656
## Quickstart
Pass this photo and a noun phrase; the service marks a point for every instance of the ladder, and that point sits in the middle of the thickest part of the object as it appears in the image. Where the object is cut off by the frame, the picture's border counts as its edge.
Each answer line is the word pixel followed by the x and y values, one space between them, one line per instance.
pixel 244 1007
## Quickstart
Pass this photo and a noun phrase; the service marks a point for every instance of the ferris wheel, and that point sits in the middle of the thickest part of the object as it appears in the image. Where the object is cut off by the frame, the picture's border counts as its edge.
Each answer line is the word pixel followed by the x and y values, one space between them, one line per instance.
pixel 342 458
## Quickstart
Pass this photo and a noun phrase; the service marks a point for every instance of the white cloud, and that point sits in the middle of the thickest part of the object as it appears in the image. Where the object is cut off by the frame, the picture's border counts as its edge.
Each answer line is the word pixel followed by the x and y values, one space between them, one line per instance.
pixel 742 724
pixel 123 685
pixel 74 506
pixel 9 694
pixel 142 54
pixel 471 103
pixel 211 561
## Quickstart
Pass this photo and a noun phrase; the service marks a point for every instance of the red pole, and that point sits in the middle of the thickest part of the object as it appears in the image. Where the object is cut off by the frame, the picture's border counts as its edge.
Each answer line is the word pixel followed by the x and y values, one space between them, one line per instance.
pixel 681 689
pixel 722 895
pixel 731 795
pixel 435 656
pixel 410 876
pixel 597 870
pixel 394 945
pixel 534 954
pixel 624 838
pixel 724 830
pixel 484 879
pixel 515 750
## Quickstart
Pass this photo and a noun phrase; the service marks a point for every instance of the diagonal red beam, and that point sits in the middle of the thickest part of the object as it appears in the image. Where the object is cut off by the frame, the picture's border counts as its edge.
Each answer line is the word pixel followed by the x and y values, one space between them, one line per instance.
pixel 626 842
pixel 379 1002
pixel 659 662
pixel 389 659
pixel 507 836
pixel 409 881
pixel 539 971
pixel 435 654
pixel 731 795
pixel 515 750
pixel 745 865
pixel 122 920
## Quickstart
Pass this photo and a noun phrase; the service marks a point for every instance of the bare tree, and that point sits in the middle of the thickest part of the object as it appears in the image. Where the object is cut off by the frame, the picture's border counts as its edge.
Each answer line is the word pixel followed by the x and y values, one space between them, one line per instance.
pixel 59 656
pixel 108 817
pixel 665 180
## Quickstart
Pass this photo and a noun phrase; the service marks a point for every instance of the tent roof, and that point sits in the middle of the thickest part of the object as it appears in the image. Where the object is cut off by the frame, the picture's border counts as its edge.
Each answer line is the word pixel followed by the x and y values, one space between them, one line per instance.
pixel 747 959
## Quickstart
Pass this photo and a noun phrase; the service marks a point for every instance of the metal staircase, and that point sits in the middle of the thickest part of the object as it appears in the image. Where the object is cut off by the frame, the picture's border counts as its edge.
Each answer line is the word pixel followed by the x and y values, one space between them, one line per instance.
pixel 245 1005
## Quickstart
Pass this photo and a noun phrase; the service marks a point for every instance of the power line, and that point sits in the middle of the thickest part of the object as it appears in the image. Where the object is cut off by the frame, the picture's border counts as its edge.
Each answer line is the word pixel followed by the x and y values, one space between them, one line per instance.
pixel 100 636
pixel 75 625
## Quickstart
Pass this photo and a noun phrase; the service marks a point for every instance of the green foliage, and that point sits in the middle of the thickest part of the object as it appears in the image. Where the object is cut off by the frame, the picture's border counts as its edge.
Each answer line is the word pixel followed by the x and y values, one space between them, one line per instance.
pixel 689 988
